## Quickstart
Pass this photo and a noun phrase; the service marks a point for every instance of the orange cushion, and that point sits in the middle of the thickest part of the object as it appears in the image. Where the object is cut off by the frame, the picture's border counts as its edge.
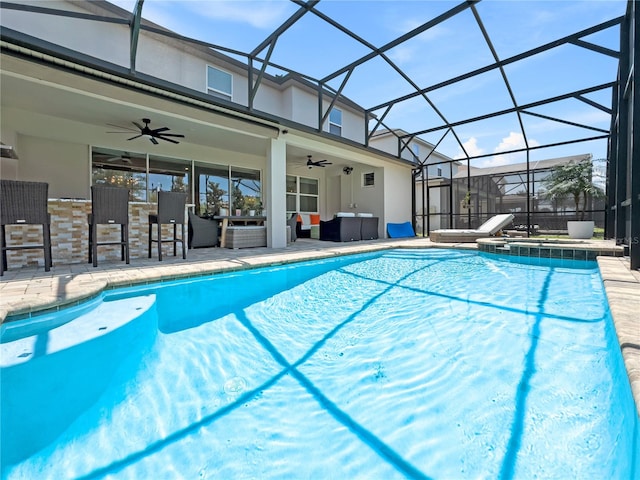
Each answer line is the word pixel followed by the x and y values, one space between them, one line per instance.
pixel 315 219
pixel 299 219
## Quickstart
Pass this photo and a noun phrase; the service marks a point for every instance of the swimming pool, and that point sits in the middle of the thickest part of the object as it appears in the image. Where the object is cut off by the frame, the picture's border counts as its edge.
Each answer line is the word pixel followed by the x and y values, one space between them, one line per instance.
pixel 407 363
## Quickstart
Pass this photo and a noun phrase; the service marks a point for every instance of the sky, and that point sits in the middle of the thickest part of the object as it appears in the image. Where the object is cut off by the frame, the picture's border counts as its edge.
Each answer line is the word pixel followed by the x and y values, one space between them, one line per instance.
pixel 315 48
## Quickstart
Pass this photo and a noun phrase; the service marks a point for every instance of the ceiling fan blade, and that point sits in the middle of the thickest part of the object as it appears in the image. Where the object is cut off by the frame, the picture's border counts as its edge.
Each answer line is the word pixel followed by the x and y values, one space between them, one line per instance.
pixel 123 159
pixel 167 140
pixel 132 138
pixel 121 127
pixel 179 135
pixel 158 130
pixel 153 140
pixel 138 125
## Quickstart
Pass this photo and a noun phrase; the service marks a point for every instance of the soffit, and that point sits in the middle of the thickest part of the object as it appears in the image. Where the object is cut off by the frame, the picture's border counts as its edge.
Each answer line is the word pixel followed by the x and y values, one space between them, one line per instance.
pixel 58 94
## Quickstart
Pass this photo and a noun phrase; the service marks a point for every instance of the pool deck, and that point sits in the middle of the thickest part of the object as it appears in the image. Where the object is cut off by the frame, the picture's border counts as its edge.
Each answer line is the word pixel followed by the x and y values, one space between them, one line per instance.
pixel 32 290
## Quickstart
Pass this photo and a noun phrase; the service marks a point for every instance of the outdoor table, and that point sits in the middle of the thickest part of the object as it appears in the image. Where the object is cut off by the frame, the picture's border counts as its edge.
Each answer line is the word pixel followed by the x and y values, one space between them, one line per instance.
pixel 236 220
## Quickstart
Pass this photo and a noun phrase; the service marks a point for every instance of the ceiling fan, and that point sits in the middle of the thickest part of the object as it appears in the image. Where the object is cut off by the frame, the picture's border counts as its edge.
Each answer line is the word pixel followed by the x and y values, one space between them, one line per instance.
pixel 124 158
pixel 153 134
pixel 319 163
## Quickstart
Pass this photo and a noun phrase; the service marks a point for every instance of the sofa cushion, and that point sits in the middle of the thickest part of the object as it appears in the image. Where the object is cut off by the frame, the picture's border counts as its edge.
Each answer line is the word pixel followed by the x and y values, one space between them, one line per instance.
pixel 345 214
pixel 364 215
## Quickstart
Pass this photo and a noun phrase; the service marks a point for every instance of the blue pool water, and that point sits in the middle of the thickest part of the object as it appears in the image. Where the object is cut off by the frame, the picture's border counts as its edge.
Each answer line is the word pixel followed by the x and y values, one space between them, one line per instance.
pixel 437 364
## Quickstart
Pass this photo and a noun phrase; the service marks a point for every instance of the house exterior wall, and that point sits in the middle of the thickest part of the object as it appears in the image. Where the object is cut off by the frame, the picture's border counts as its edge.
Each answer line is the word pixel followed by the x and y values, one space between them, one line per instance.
pixel 386 143
pixel 174 61
pixel 64 165
pixel 353 126
pixel 73 32
pixel 397 196
pixel 389 143
pixel 57 149
pixel 158 59
pixel 304 107
pixel 369 199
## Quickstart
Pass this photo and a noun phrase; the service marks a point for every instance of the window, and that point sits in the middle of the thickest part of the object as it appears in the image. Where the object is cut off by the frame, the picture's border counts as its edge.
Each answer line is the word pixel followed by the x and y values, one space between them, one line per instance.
pixel 368 179
pixel 212 188
pixel 219 83
pixel 168 175
pixel 127 169
pixel 439 172
pixel 416 150
pixel 292 193
pixel 246 190
pixel 302 194
pixel 120 169
pixel 335 122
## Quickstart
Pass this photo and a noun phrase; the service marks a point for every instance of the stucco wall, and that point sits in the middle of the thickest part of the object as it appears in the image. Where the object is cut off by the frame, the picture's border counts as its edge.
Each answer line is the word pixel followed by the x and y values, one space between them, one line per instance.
pixel 397 195
pixel 72 32
pixel 173 61
pixel 65 166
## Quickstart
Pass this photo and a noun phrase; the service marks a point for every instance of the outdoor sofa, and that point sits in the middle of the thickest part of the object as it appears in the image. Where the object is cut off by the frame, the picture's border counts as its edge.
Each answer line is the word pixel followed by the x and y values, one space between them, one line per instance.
pixel 349 227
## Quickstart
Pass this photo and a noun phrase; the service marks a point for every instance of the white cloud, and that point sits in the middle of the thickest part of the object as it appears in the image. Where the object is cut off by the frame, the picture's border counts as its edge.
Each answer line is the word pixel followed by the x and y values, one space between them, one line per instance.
pixel 471 147
pixel 514 141
pixel 264 14
pixel 402 55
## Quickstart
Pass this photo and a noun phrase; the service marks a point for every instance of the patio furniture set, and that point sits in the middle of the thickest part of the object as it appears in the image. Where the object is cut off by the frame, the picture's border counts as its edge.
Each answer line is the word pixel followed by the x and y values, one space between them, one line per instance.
pixel 26 203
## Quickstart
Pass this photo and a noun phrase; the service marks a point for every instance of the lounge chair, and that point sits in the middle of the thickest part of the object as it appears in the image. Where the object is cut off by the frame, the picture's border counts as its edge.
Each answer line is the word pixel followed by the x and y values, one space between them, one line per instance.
pixel 487 229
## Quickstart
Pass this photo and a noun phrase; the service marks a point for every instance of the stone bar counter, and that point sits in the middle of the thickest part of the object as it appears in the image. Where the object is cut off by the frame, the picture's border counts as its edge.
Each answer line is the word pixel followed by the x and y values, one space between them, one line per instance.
pixel 70 235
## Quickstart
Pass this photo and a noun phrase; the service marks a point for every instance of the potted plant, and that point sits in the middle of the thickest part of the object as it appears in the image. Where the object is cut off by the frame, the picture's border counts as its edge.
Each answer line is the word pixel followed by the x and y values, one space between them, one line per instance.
pixel 253 205
pixel 575 179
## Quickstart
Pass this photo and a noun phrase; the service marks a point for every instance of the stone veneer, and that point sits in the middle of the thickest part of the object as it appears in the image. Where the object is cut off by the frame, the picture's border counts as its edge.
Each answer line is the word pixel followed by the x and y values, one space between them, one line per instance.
pixel 70 235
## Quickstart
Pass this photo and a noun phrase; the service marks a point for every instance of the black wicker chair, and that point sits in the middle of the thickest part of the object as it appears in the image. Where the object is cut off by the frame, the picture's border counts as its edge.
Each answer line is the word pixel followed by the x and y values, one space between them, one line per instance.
pixel 170 212
pixel 293 223
pixel 203 232
pixel 109 206
pixel 25 203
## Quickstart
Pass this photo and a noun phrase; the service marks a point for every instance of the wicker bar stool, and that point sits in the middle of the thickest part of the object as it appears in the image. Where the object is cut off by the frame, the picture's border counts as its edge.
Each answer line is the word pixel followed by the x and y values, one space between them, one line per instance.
pixel 25 203
pixel 109 206
pixel 170 212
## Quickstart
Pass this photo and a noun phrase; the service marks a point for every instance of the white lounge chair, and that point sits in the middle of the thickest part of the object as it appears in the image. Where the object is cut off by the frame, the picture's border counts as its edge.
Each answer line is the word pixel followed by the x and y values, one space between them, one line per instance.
pixel 487 229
